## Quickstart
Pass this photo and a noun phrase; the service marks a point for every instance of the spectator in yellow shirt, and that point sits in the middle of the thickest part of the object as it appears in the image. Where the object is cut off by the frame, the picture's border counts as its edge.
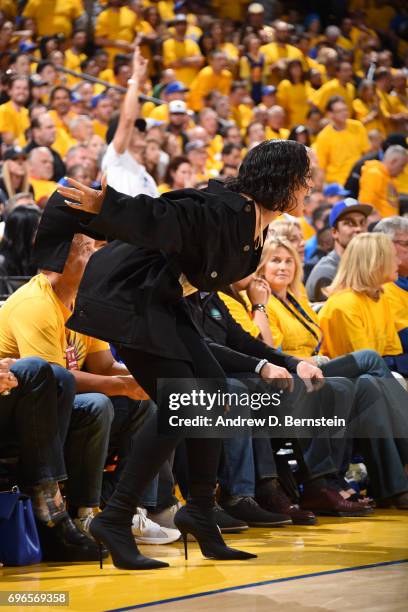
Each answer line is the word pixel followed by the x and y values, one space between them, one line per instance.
pixel 102 109
pixel 366 107
pixel 340 86
pixel 55 16
pixel 213 77
pixel 241 114
pixel 304 45
pixel 255 134
pixel 357 314
pixel 293 324
pixel 341 143
pixel 276 119
pixel 293 94
pixel 208 120
pixel 175 90
pixel 62 115
pixel 377 186
pixel 14 119
pixel 394 113
pixel 101 57
pixel 280 49
pixel 197 156
pixel 75 55
pixel 115 29
pixel 41 170
pixel 181 53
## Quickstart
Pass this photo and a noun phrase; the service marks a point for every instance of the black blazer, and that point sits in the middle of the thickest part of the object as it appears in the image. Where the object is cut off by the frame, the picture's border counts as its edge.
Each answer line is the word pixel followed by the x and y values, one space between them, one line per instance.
pixel 130 287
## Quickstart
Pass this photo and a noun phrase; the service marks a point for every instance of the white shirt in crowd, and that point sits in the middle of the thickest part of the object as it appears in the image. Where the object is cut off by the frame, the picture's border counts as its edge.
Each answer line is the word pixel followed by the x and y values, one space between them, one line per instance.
pixel 126 175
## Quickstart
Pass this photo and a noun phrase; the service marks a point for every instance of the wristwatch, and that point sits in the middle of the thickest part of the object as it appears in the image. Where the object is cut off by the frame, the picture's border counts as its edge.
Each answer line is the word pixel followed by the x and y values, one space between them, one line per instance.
pixel 260 307
pixel 260 365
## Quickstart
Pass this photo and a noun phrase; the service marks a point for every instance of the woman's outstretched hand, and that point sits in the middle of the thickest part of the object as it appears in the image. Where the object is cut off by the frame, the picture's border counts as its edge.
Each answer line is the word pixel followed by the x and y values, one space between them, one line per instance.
pixel 83 197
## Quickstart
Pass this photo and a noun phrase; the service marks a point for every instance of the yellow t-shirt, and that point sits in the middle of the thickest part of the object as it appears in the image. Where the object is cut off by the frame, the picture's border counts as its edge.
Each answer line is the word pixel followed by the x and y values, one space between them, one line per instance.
pixel 240 313
pixel 116 25
pixel 99 128
pixel 398 300
pixel 54 16
pixel 353 321
pixel 308 230
pixel 401 181
pixel 206 81
pixel 294 99
pixel 338 150
pixel 32 324
pixel 174 50
pixel 271 134
pixel 361 110
pixel 274 52
pixel 9 8
pixel 378 189
pixel 14 121
pixel 42 188
pixel 73 61
pixel 242 115
pixel 288 333
pixel 390 105
pixel 332 88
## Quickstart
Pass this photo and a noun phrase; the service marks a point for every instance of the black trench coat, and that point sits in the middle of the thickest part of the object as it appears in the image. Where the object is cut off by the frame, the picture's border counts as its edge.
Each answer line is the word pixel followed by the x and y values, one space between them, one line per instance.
pixel 130 288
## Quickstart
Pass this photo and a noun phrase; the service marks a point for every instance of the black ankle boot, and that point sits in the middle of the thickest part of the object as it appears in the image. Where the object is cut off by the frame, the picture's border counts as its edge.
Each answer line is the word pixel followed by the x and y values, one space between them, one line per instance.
pixel 201 524
pixel 114 529
pixel 65 542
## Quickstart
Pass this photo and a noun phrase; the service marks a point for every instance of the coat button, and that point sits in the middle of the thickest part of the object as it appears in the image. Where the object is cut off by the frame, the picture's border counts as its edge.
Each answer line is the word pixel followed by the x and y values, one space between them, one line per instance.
pixel 246 248
pixel 214 274
pixel 82 313
pixel 247 208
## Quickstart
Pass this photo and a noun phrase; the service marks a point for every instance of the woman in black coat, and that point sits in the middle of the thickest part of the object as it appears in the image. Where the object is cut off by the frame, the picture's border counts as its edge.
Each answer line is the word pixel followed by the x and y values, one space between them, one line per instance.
pixel 132 295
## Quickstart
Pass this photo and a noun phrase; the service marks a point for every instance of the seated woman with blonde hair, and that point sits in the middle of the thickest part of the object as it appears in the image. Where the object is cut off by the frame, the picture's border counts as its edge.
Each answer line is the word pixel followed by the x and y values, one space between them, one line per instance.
pixel 357 315
pixel 295 329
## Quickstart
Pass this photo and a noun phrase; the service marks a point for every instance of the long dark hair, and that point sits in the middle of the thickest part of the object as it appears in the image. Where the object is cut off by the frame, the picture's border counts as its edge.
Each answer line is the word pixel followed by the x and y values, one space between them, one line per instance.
pixel 272 172
pixel 173 167
pixel 17 244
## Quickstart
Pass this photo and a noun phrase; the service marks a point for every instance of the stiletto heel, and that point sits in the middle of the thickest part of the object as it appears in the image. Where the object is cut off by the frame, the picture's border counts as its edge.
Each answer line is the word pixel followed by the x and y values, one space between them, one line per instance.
pixel 201 524
pixel 113 529
pixel 100 555
pixel 185 545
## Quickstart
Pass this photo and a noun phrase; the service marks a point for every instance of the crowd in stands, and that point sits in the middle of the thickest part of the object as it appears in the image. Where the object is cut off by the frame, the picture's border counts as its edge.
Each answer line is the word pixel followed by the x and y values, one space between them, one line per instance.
pixel 220 77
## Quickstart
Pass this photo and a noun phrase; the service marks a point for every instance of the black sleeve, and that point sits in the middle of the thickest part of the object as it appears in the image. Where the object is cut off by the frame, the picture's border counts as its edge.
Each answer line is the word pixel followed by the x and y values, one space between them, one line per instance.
pixel 241 341
pixel 232 361
pixel 153 223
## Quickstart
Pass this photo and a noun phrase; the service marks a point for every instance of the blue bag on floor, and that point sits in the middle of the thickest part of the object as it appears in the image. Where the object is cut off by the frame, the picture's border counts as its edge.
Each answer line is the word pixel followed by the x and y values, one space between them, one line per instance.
pixel 19 542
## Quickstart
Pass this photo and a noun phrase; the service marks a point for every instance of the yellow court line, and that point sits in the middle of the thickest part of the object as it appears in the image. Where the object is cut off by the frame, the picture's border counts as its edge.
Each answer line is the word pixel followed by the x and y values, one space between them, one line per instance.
pixel 282 553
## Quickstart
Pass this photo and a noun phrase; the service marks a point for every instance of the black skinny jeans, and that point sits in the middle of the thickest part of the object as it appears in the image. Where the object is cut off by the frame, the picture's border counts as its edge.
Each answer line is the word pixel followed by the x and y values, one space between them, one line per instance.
pixel 149 450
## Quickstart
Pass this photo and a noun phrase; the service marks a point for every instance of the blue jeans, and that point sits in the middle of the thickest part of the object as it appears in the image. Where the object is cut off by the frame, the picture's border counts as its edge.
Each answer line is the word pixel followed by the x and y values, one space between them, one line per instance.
pixel 29 422
pixel 85 436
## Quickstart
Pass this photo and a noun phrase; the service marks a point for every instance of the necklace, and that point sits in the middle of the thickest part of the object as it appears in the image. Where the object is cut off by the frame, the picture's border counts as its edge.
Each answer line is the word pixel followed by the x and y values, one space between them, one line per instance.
pixel 259 240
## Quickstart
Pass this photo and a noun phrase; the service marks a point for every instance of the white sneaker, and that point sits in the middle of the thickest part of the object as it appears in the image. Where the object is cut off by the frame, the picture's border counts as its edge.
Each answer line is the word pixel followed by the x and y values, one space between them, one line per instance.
pixel 165 518
pixel 148 532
